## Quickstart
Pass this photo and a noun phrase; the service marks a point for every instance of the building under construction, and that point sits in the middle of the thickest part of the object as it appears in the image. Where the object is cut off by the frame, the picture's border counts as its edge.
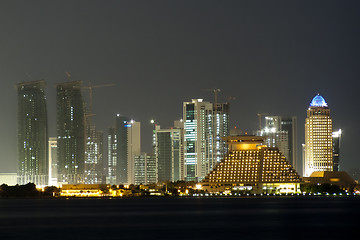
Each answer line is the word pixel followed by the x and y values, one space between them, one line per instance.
pixel 70 132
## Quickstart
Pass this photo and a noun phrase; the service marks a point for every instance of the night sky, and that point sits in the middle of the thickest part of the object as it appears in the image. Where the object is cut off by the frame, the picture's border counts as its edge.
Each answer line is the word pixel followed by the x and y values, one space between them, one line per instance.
pixel 272 56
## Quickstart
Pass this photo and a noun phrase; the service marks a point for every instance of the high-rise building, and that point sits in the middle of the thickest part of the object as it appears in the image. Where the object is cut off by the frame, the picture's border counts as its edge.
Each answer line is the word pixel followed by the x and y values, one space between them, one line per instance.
pixel 336 136
pixel 123 146
pixel 70 132
pixel 53 169
pixel 94 167
pixel 221 129
pixel 169 154
pixel 281 132
pixel 318 138
pixel 198 139
pixel 289 124
pixel 204 126
pixel 32 133
pixel 133 132
pixel 145 169
pixel 121 131
pixel 112 156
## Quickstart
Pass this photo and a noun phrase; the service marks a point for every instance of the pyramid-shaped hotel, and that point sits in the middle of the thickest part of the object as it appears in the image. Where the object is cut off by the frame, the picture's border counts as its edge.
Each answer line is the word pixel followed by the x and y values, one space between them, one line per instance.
pixel 253 167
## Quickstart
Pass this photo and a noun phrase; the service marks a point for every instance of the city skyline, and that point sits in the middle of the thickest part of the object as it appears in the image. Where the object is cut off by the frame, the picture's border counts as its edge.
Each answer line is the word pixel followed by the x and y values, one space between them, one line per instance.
pixel 197 129
pixel 158 61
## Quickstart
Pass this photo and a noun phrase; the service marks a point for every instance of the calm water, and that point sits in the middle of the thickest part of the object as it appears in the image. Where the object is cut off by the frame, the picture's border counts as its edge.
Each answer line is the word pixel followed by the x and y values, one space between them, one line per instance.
pixel 181 218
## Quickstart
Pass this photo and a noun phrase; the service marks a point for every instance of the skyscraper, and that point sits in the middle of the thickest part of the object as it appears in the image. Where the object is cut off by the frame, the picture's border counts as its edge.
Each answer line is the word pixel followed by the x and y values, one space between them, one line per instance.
pixel 112 156
pixel 281 132
pixel 198 139
pixel 121 132
pixel 145 169
pixel 318 138
pixel 169 154
pixel 94 168
pixel 133 140
pixel 221 129
pixel 53 163
pixel 123 146
pixel 336 136
pixel 289 124
pixel 70 132
pixel 204 126
pixel 32 133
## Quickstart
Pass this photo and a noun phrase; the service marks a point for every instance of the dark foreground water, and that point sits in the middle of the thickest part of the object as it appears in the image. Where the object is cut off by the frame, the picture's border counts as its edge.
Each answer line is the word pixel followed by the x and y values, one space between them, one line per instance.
pixel 181 218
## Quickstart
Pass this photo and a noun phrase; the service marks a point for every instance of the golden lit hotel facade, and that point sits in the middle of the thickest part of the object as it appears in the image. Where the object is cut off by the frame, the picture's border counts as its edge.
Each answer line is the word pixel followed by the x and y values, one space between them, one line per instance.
pixel 318 138
pixel 254 167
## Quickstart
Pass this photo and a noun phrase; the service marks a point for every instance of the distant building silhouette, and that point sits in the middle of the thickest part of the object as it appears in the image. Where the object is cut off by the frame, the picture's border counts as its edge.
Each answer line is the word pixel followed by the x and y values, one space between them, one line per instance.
pixel 121 167
pixel 169 154
pixel 70 132
pixel 32 133
pixel 281 132
pixel 123 146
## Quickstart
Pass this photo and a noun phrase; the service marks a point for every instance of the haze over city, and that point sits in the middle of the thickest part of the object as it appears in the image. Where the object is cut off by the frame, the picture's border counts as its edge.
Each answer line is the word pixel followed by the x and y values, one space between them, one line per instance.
pixel 273 57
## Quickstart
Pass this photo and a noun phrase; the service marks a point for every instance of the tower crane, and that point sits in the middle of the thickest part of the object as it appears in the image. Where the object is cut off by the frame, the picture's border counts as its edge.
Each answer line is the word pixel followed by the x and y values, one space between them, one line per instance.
pixel 90 135
pixel 90 87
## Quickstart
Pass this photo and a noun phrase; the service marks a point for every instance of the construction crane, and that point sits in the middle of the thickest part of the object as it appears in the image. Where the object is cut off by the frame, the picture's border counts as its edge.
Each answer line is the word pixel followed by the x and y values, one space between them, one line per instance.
pixel 230 98
pixel 90 88
pixel 91 136
pixel 215 91
pixel 68 76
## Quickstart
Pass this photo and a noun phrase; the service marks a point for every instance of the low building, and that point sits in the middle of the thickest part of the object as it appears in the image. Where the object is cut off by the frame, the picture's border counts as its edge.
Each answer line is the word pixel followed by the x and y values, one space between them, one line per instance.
pixel 121 192
pixel 341 179
pixel 9 179
pixel 85 190
pixel 252 167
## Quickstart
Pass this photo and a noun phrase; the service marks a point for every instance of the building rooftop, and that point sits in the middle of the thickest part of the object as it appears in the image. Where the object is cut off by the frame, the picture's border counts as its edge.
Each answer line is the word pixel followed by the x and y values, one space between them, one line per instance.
pixel 318 101
pixel 339 178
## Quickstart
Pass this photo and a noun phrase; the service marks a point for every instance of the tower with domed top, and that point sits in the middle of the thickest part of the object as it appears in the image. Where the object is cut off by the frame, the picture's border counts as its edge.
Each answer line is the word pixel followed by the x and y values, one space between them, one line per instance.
pixel 318 137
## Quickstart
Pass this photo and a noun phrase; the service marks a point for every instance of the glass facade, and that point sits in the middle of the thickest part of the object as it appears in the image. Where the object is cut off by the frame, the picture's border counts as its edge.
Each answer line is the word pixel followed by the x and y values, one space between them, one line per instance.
pixel 336 149
pixel 112 156
pixel 204 124
pixel 169 154
pixel 94 165
pixel 280 132
pixel 32 133
pixel 121 172
pixel 145 169
pixel 70 132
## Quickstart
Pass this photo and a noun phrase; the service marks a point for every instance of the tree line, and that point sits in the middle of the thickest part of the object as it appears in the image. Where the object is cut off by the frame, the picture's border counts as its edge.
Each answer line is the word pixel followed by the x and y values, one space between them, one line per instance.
pixel 27 190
